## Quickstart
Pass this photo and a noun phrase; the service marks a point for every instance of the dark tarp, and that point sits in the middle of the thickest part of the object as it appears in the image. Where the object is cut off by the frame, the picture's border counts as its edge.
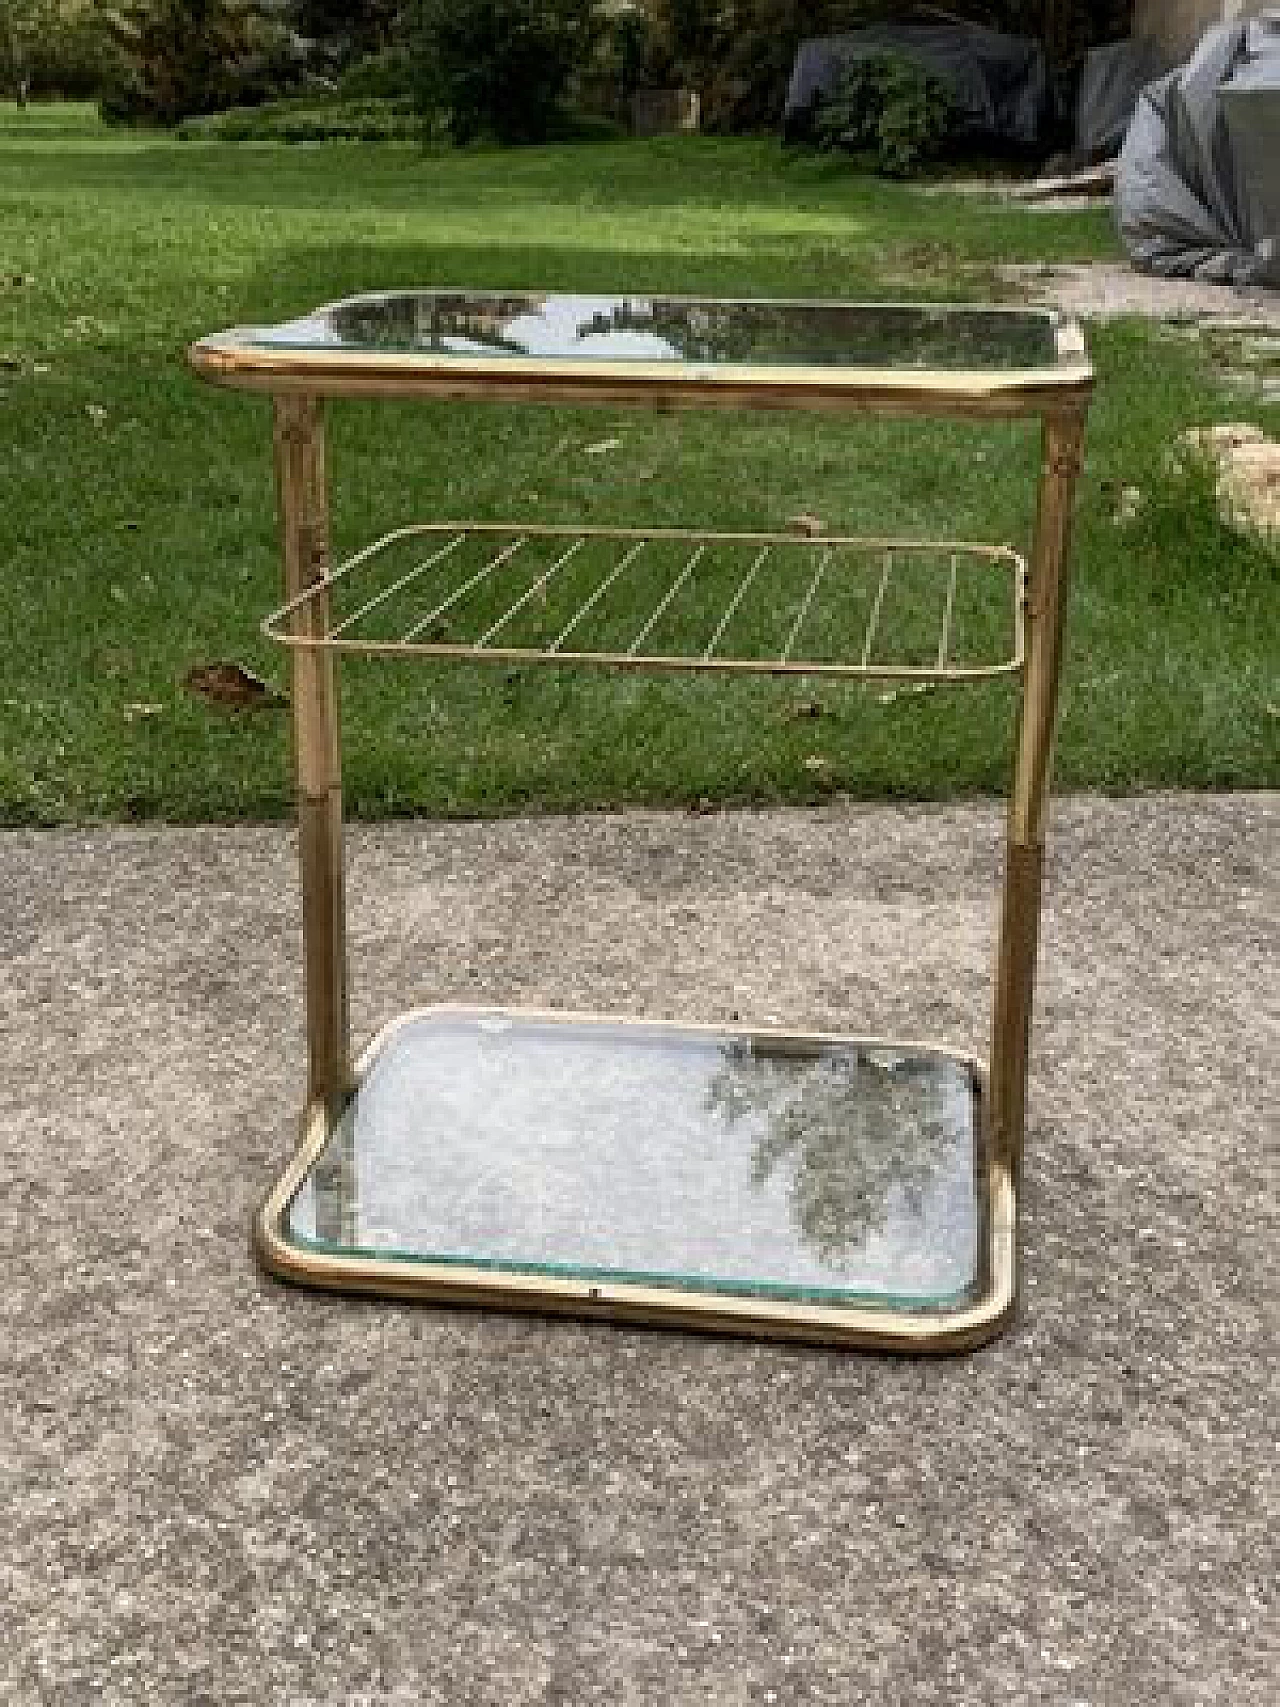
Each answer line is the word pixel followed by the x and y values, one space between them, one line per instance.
pixel 1000 82
pixel 1198 185
pixel 1111 82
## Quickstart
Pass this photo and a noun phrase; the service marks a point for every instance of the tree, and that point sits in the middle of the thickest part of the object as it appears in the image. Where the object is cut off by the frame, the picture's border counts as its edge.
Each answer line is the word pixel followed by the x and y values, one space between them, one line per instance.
pixel 357 26
pixel 499 68
pixel 24 26
pixel 738 53
pixel 52 47
pixel 180 57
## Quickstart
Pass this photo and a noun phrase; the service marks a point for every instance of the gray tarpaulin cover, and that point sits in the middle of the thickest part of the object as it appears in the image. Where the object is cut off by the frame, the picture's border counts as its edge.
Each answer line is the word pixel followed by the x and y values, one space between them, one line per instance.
pixel 1000 82
pixel 1198 185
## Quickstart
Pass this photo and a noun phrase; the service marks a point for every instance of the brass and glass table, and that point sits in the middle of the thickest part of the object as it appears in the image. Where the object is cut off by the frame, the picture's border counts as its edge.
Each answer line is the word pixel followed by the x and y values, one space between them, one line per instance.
pixel 841 1189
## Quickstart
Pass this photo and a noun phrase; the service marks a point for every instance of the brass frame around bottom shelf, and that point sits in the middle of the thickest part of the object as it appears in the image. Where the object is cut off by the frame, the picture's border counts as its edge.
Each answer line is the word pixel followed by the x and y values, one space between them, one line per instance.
pixel 306 622
pixel 937 1329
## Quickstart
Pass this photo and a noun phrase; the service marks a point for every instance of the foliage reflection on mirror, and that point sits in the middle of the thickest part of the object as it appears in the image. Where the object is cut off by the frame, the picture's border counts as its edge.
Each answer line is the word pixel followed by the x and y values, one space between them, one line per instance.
pixel 857 1130
pixel 914 336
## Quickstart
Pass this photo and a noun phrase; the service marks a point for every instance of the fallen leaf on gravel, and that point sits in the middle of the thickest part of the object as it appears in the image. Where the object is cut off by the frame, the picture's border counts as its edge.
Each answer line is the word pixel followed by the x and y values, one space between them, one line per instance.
pixel 232 685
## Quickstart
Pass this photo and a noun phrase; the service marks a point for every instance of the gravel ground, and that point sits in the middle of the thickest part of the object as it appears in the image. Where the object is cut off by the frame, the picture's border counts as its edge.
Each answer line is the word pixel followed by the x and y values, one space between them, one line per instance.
pixel 219 1490
pixel 1101 290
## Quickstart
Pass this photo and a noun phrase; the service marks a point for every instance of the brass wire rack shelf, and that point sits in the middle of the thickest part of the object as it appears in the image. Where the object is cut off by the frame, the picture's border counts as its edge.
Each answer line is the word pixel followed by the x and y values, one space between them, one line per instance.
pixel 673 599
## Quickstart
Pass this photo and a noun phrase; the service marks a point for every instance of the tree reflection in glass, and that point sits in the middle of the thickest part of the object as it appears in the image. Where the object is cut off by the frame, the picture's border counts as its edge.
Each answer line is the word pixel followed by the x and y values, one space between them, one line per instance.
pixel 433 324
pixel 889 335
pixel 865 1135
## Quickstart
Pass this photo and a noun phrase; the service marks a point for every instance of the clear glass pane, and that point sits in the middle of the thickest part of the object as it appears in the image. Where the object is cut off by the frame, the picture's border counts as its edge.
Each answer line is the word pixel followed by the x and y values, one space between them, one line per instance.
pixel 656 329
pixel 723 1163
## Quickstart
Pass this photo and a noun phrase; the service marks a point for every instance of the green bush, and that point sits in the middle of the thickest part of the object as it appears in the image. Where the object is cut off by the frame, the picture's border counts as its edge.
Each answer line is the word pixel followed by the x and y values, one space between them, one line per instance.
pixel 307 120
pixel 384 76
pixel 891 107
pixel 498 68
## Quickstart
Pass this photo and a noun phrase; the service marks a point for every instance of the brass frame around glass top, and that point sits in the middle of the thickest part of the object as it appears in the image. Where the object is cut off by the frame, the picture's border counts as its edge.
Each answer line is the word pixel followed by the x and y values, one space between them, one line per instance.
pixel 299 383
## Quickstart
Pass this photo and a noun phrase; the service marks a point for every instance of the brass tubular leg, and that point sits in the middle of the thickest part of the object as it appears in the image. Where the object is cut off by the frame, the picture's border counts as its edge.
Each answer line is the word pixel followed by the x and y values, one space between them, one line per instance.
pixel 304 530
pixel 1020 915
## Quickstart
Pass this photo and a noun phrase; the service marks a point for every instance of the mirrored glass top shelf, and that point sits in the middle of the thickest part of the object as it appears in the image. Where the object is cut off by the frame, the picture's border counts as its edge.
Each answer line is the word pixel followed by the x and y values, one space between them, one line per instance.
pixel 728 1164
pixel 476 342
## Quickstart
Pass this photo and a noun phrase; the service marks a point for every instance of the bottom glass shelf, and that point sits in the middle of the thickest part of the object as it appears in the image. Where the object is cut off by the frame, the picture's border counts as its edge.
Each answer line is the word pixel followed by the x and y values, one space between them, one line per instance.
pixel 807 1186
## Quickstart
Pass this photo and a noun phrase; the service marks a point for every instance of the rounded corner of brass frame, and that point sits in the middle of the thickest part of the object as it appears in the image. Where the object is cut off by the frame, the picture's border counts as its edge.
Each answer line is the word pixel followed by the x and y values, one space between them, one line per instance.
pixel 272 1250
pixel 983 1317
pixel 984 1320
pixel 206 360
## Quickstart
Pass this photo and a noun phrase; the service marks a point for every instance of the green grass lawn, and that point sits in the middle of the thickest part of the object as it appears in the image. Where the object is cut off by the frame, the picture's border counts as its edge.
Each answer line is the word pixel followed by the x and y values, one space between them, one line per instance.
pixel 137 523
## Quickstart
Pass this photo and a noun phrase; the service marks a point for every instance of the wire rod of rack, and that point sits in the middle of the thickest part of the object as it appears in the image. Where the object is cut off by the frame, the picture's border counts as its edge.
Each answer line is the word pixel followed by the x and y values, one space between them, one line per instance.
pixel 461 592
pixel 732 607
pixel 944 639
pixel 596 575
pixel 667 600
pixel 809 595
pixel 873 621
pixel 590 603
pixel 396 586
pixel 539 586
